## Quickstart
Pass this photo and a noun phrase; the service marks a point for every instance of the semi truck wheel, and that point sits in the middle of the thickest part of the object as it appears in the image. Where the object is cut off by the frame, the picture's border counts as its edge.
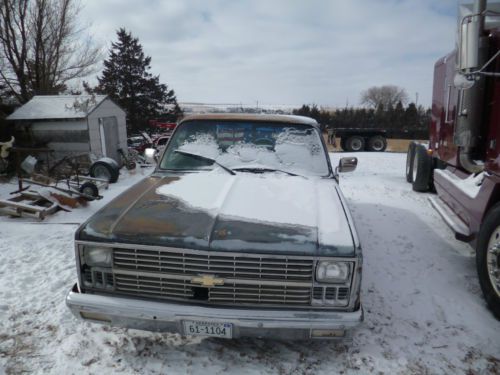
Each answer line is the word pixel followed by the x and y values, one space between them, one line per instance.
pixel 377 143
pixel 422 169
pixel 410 154
pixel 488 259
pixel 355 143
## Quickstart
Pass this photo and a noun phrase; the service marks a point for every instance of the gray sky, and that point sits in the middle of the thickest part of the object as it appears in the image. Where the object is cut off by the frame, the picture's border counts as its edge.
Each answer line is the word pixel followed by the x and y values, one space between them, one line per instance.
pixel 284 52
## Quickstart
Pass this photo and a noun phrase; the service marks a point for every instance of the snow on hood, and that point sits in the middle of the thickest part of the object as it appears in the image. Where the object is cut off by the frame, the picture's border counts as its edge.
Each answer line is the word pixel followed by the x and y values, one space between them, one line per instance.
pixel 268 198
pixel 214 210
pixel 218 192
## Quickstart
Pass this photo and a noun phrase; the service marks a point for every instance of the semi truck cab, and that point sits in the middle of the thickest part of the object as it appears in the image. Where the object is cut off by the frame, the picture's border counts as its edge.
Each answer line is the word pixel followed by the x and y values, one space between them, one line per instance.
pixel 461 162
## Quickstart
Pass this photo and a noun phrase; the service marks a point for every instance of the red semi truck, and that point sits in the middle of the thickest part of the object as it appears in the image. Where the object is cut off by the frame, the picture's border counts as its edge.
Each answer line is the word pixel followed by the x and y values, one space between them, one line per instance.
pixel 461 162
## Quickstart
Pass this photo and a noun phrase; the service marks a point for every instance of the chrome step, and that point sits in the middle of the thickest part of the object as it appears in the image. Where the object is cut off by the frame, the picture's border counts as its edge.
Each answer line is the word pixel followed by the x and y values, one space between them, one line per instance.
pixel 461 230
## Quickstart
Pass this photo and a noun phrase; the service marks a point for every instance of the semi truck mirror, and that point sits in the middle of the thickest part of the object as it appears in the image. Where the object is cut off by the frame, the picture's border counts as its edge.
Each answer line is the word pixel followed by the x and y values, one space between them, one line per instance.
pixel 469 44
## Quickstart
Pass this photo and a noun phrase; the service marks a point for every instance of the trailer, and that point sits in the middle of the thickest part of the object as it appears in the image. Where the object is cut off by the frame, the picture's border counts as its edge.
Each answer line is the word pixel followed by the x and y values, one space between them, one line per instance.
pixel 354 140
pixel 461 161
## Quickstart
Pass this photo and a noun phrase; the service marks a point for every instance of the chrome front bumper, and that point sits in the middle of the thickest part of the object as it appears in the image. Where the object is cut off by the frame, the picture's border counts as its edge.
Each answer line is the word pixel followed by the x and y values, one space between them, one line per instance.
pixel 168 317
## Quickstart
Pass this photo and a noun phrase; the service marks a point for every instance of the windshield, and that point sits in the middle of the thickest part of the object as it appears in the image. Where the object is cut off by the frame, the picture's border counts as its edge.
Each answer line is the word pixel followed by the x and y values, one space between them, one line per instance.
pixel 246 145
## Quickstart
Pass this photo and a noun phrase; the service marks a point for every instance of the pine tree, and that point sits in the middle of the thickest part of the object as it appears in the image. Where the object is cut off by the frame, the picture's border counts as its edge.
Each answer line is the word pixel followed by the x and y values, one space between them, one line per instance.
pixel 127 80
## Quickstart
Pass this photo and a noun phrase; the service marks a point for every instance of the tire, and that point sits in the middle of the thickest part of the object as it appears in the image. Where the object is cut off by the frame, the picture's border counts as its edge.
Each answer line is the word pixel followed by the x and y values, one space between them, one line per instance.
pixel 105 168
pixel 89 188
pixel 355 143
pixel 377 143
pixel 422 169
pixel 410 154
pixel 488 259
pixel 130 165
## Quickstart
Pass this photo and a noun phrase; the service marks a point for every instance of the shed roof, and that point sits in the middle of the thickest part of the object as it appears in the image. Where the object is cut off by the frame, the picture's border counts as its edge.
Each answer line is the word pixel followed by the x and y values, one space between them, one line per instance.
pixel 46 107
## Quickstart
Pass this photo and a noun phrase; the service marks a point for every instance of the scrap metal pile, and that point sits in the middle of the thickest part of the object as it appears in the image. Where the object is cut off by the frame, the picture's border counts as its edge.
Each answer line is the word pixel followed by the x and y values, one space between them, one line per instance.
pixel 46 186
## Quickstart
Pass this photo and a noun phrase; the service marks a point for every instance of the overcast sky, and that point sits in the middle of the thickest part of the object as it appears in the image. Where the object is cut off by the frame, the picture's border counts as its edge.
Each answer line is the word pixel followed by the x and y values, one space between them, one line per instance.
pixel 283 52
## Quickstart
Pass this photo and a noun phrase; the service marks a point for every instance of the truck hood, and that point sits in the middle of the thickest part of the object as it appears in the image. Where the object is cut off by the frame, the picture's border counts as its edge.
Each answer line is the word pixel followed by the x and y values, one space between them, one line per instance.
pixel 246 212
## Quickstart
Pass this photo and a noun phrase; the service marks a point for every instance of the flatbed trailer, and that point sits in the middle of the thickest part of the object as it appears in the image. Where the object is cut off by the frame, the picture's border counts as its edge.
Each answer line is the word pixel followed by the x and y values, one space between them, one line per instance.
pixel 353 139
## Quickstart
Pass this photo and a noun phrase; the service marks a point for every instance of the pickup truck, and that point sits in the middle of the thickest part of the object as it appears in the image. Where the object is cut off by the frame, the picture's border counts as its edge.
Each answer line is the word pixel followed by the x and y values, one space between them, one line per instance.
pixel 241 230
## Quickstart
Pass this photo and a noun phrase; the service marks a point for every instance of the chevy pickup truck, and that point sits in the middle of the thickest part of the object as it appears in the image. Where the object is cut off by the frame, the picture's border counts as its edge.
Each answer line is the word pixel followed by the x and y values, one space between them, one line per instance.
pixel 241 230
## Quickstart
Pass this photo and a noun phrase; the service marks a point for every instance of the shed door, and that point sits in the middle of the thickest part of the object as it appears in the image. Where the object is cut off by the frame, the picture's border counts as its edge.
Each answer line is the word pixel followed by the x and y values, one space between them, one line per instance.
pixel 109 137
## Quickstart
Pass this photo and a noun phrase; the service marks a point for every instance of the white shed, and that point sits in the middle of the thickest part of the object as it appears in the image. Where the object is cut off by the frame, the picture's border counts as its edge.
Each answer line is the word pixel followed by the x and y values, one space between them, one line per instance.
pixel 70 124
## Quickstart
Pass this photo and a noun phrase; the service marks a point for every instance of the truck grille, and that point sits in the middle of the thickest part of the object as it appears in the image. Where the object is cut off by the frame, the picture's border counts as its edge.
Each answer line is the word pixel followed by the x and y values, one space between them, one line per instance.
pixel 229 293
pixel 258 267
pixel 253 279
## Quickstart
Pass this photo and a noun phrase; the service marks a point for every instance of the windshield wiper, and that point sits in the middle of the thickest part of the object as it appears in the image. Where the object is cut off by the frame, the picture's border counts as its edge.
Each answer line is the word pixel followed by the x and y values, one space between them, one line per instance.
pixel 264 170
pixel 201 157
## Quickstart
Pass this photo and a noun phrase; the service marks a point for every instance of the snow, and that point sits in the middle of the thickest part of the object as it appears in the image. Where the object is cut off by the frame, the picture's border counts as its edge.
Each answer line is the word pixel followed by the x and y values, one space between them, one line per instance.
pixel 470 186
pixel 270 198
pixel 424 312
pixel 293 150
pixel 57 107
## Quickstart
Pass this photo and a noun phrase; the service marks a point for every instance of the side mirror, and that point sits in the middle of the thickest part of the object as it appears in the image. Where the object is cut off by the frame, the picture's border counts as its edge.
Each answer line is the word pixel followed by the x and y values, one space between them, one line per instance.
pixel 151 155
pixel 470 32
pixel 347 164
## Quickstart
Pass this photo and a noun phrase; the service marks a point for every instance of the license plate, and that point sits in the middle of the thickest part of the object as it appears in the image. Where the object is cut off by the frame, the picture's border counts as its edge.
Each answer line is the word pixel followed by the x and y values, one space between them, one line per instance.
pixel 198 328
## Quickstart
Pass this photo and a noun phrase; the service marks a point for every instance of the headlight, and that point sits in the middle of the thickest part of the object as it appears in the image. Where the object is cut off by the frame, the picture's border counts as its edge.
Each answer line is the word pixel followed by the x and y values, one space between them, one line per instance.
pixel 328 271
pixel 97 256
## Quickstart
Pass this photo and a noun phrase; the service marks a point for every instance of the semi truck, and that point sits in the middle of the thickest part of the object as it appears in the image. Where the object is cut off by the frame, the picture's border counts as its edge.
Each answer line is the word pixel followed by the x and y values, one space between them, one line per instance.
pixel 461 161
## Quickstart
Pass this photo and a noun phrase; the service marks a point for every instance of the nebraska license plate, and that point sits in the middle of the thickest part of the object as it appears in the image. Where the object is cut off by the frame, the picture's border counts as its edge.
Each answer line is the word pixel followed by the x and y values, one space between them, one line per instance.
pixel 198 328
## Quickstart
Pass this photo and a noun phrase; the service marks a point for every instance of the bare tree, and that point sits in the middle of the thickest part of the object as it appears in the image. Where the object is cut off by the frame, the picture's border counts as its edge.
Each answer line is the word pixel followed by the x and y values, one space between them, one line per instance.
pixel 385 97
pixel 42 47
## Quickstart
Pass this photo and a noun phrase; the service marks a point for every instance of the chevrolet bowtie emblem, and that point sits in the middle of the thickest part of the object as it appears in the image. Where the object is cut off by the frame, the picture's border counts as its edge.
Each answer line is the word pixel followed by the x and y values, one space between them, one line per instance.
pixel 207 280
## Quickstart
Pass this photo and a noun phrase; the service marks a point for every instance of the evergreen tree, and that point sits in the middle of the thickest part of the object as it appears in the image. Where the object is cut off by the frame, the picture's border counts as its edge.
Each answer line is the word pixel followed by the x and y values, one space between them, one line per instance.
pixel 411 119
pixel 127 80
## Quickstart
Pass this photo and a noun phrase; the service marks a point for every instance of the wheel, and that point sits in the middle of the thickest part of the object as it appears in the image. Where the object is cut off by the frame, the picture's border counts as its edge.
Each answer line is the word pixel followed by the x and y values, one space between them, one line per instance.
pixel 410 154
pixel 355 143
pixel 89 188
pixel 421 169
pixel 377 143
pixel 105 168
pixel 488 259
pixel 130 165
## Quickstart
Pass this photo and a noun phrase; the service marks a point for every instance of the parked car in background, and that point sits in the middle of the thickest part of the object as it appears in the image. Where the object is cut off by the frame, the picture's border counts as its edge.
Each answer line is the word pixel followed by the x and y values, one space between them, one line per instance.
pixel 160 142
pixel 241 230
pixel 138 143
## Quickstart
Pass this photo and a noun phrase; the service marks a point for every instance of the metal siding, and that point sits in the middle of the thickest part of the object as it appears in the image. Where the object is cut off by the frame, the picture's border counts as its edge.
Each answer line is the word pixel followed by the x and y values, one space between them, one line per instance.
pixel 107 109
pixel 110 127
pixel 60 125
pixel 122 131
pixel 94 137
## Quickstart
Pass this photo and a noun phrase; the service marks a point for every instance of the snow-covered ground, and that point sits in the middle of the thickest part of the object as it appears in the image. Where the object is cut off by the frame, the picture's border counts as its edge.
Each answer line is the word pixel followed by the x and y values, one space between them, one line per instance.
pixel 424 309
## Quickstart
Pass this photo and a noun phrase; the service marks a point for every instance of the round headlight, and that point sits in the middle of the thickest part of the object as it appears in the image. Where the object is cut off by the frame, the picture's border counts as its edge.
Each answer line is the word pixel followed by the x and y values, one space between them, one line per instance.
pixel 332 272
pixel 97 256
